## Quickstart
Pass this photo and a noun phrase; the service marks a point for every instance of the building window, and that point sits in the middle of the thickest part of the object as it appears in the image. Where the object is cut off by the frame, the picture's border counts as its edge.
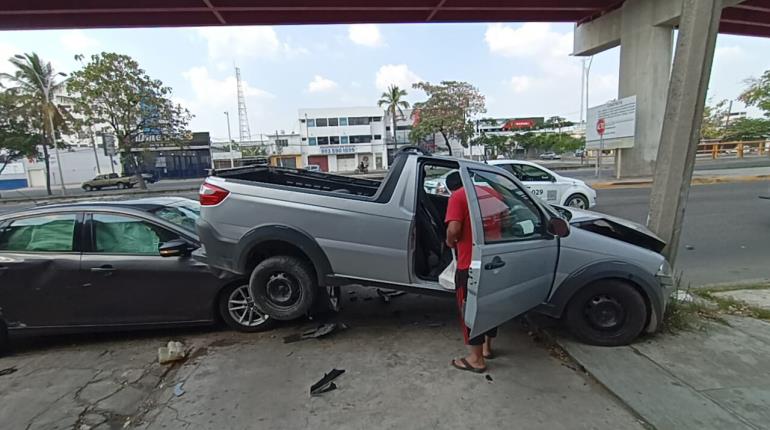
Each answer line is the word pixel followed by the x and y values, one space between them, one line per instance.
pixel 312 141
pixel 333 122
pixel 321 122
pixel 311 122
pixel 376 118
pixel 403 127
pixel 377 137
pixel 343 122
pixel 344 140
pixel 323 140
pixel 360 139
pixel 358 120
pixel 304 139
pixel 282 142
pixel 334 140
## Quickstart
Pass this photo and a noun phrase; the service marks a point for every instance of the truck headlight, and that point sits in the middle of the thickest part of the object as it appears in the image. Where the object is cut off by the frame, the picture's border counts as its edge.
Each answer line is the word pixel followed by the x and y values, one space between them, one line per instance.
pixel 665 275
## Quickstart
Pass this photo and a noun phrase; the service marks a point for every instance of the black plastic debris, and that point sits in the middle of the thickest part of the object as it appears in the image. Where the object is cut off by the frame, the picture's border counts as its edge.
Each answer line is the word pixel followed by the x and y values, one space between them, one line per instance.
pixel 325 384
pixel 8 371
pixel 488 378
pixel 386 295
pixel 320 331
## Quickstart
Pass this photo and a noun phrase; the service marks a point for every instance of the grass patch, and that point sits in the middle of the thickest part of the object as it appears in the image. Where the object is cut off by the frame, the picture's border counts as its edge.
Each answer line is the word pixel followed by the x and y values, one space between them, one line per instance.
pixel 731 306
pixel 687 312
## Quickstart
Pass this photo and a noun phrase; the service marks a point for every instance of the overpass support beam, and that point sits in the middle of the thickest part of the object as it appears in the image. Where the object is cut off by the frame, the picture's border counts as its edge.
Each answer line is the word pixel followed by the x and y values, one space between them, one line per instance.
pixel 698 26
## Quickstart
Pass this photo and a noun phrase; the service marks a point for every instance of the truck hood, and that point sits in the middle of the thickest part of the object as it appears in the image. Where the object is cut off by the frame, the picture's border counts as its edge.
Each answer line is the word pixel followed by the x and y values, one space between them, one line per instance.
pixel 616 228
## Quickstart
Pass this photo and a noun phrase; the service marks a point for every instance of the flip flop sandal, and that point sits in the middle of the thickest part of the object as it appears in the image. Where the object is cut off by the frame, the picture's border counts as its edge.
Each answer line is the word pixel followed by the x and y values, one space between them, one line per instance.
pixel 467 366
pixel 490 356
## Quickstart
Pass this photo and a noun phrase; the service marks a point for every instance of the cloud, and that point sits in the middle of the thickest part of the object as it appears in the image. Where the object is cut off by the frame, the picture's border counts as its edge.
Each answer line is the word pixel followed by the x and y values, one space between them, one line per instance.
pixel 528 40
pixel 320 84
pixel 247 42
pixel 365 34
pixel 520 84
pixel 395 74
pixel 77 42
pixel 726 53
pixel 210 92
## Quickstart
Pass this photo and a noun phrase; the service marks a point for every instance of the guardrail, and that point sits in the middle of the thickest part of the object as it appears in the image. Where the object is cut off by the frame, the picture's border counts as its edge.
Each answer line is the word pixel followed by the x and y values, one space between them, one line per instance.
pixel 729 149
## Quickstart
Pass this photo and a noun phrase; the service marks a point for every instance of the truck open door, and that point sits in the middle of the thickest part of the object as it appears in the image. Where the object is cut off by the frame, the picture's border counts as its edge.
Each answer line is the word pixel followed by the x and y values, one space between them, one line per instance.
pixel 514 255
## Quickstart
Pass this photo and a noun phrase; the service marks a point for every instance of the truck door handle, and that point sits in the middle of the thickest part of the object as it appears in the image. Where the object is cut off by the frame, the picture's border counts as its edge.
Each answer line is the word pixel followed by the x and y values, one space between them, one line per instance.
pixel 106 270
pixel 496 263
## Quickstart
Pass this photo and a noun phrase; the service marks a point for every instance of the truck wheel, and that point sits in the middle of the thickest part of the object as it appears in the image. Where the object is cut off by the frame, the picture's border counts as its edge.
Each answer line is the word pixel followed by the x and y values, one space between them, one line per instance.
pixel 577 201
pixel 239 311
pixel 607 313
pixel 283 287
pixel 121 185
pixel 88 188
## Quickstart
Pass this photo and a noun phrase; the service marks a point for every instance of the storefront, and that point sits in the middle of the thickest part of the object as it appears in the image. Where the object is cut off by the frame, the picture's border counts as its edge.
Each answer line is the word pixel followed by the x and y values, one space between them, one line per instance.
pixel 190 158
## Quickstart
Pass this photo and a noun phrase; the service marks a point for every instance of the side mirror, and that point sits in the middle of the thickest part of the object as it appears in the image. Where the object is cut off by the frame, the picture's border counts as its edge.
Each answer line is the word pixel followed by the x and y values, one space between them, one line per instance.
pixel 558 227
pixel 175 248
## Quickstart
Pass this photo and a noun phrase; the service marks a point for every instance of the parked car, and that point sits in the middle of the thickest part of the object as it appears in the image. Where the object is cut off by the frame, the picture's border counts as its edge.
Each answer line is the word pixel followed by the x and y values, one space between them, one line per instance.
pixel 113 265
pixel 150 178
pixel 542 182
pixel 292 232
pixel 110 180
pixel 313 168
pixel 550 156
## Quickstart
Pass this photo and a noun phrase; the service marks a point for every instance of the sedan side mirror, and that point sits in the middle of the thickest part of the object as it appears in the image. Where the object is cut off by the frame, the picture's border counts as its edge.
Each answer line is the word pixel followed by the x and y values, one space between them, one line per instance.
pixel 175 248
pixel 558 227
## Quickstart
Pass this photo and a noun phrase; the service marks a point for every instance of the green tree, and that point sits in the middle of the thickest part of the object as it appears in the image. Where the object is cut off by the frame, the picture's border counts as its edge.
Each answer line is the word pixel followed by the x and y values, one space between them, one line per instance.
pixel 394 103
pixel 34 84
pixel 449 110
pixel 18 138
pixel 747 129
pixel 714 119
pixel 758 93
pixel 495 145
pixel 112 89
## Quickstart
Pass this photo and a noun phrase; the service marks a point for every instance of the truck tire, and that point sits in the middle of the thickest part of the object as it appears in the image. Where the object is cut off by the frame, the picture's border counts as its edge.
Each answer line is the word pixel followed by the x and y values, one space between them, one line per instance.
pixel 88 188
pixel 284 287
pixel 239 312
pixel 121 185
pixel 607 313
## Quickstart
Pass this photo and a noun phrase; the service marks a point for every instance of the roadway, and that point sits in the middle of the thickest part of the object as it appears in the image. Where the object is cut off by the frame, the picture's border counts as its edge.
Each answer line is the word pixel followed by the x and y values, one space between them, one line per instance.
pixel 725 230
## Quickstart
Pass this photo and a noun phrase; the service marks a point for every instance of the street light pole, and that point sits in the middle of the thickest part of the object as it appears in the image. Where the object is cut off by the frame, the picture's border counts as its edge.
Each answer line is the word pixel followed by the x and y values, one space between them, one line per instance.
pixel 230 140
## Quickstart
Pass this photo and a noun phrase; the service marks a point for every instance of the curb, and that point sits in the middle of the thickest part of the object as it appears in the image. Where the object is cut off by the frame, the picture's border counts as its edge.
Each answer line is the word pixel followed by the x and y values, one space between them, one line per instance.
pixel 80 197
pixel 705 180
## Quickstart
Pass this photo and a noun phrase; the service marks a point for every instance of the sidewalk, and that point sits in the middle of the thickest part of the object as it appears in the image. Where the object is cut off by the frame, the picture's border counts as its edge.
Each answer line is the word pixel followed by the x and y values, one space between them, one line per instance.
pixel 700 177
pixel 714 377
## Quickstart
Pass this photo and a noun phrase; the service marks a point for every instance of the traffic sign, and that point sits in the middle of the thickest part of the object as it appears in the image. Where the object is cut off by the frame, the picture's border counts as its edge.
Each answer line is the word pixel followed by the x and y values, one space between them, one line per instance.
pixel 601 125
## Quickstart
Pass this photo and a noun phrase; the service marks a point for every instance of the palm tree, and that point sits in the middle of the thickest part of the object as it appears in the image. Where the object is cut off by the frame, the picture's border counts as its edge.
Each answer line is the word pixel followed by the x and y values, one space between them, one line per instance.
pixel 36 82
pixel 393 99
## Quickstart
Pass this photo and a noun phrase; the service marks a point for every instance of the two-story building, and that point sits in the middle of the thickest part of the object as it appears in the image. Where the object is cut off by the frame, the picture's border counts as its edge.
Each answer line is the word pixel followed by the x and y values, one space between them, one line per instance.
pixel 342 139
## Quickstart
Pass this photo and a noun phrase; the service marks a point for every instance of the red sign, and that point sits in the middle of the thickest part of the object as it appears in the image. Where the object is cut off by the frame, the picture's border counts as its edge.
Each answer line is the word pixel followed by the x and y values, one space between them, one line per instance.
pixel 519 123
pixel 600 126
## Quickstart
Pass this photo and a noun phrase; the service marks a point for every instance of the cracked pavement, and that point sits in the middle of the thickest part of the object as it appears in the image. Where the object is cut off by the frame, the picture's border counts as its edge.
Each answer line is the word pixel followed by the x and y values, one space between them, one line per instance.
pixel 396 358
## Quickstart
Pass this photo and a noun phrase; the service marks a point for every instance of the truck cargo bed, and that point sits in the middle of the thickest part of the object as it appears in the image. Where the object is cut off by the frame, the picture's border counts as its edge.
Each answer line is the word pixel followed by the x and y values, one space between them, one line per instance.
pixel 302 179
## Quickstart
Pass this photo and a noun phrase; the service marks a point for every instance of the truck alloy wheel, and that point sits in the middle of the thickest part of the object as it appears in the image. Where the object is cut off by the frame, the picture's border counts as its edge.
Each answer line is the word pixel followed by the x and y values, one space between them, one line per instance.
pixel 283 287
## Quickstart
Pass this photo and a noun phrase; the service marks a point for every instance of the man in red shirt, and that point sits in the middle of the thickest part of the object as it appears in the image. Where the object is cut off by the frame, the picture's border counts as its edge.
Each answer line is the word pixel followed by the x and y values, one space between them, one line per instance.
pixel 460 238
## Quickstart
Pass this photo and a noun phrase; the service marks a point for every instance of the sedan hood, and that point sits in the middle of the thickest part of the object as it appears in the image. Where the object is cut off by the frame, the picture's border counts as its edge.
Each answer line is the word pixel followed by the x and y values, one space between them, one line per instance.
pixel 616 228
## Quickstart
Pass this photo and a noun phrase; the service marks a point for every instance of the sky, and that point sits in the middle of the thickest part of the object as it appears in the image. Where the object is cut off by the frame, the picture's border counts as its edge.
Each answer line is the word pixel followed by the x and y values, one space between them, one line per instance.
pixel 521 69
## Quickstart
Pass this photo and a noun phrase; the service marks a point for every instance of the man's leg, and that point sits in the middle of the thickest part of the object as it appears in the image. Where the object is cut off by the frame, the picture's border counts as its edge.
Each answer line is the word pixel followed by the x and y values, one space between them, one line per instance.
pixel 488 336
pixel 475 345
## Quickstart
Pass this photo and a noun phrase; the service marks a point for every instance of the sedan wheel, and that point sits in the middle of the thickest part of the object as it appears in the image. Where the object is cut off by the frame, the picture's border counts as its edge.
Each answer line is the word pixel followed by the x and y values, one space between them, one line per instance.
pixel 577 201
pixel 240 312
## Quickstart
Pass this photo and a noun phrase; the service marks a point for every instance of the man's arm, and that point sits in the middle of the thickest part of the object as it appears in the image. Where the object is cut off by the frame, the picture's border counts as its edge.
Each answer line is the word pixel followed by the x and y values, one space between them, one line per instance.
pixel 453 231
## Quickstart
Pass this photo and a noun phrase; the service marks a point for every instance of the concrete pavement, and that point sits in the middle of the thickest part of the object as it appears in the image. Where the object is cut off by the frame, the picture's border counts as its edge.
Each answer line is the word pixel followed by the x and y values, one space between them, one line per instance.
pixel 714 378
pixel 397 376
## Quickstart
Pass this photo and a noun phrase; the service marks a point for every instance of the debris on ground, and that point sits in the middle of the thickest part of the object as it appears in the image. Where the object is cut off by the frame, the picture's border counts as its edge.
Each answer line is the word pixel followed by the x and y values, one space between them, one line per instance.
pixel 178 390
pixel 488 377
pixel 172 352
pixel 436 325
pixel 386 295
pixel 683 296
pixel 8 371
pixel 325 384
pixel 315 333
pixel 689 247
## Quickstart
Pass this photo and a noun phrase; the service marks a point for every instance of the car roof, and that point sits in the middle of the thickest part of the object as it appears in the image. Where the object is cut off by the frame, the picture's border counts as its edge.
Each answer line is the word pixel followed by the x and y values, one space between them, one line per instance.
pixel 143 205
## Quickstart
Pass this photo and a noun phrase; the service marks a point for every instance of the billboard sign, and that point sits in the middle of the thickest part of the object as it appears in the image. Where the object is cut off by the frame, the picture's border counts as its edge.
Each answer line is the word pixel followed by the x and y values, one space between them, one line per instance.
pixel 522 123
pixel 614 123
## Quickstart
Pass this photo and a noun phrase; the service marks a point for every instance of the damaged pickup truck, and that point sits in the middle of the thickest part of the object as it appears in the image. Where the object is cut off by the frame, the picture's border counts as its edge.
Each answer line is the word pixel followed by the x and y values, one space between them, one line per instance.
pixel 299 235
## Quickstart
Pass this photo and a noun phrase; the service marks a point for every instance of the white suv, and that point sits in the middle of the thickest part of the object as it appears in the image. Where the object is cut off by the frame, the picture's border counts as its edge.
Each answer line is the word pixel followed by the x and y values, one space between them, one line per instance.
pixel 550 186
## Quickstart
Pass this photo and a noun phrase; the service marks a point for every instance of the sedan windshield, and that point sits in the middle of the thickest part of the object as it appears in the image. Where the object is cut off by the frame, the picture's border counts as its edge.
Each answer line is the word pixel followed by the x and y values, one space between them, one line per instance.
pixel 182 213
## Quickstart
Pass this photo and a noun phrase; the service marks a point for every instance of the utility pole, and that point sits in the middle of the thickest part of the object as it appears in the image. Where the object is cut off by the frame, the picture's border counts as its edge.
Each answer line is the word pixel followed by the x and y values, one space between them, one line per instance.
pixel 96 155
pixel 682 120
pixel 230 140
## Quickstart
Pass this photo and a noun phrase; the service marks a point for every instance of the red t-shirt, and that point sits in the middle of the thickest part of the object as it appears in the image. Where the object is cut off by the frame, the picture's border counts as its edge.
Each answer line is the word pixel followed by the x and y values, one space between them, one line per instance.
pixel 492 211
pixel 457 210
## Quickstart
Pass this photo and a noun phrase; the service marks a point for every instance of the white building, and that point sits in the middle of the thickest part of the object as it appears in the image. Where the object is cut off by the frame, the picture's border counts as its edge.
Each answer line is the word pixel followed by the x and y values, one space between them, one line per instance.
pixel 340 139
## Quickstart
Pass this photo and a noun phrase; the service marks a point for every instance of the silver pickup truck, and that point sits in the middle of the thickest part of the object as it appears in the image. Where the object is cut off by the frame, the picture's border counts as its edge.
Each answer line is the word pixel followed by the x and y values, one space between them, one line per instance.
pixel 299 235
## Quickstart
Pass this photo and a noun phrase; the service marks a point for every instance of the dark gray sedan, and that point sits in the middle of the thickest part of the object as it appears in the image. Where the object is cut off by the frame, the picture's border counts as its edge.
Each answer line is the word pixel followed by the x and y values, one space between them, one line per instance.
pixel 112 265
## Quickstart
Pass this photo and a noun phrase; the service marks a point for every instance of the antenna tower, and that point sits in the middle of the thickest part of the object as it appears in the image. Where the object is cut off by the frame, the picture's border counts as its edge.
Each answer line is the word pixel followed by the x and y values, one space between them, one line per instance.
pixel 243 117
